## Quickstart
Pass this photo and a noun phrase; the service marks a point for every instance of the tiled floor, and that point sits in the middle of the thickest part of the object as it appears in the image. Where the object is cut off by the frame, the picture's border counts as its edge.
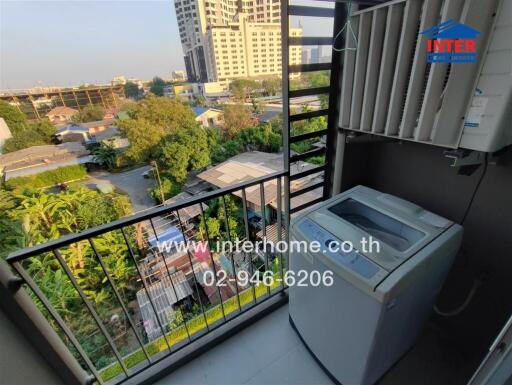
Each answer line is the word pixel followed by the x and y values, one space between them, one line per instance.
pixel 266 353
pixel 269 352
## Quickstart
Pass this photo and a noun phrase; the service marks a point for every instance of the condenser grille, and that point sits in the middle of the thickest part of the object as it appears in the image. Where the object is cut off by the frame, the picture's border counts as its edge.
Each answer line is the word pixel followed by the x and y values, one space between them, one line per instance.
pixel 389 88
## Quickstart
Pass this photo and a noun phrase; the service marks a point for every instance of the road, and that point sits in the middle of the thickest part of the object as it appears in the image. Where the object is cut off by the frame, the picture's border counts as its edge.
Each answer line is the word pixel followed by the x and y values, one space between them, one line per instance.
pixel 131 182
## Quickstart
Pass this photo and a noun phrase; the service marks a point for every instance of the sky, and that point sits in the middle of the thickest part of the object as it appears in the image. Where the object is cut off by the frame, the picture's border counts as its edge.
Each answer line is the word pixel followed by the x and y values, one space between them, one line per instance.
pixel 64 43
pixel 72 42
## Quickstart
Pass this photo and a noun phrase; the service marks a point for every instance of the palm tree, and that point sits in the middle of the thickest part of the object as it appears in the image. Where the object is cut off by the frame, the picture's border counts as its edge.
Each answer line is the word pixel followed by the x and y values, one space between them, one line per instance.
pixel 12 236
pixel 42 206
pixel 105 154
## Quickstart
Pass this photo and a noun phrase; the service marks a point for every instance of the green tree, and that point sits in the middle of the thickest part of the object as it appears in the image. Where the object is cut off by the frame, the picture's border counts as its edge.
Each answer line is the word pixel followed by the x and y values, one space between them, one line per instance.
pixel 244 88
pixel 157 86
pixel 200 157
pixel 105 154
pixel 15 120
pixel 24 134
pixel 271 87
pixel 213 226
pixel 89 113
pixel 12 237
pixel 258 107
pixel 169 188
pixel 216 219
pixel 184 151
pixel 175 157
pixel 132 90
pixel 44 128
pixel 36 217
pixel 200 101
pixel 152 120
pixel 263 137
pixel 236 117
pixel 24 139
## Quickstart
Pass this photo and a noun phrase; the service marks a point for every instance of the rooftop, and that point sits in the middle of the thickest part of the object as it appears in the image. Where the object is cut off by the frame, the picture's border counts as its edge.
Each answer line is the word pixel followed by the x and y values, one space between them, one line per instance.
pixel 187 213
pixel 72 128
pixel 98 123
pixel 198 111
pixel 253 164
pixel 31 159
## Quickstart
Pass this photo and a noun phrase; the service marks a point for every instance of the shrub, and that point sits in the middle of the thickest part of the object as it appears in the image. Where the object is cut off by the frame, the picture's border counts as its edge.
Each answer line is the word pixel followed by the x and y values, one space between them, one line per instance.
pixel 47 178
pixel 169 187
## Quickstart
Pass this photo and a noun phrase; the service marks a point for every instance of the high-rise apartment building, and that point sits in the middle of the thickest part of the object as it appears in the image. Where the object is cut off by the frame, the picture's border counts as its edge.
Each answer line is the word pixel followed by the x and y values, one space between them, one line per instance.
pixel 226 39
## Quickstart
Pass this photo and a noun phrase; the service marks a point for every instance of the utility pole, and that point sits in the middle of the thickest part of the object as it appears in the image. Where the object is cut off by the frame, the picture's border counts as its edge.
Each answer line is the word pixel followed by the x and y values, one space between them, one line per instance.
pixel 155 167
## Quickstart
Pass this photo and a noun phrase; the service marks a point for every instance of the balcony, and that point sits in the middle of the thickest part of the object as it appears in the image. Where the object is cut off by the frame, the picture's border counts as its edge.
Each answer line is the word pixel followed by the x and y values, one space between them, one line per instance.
pixel 169 325
pixel 165 305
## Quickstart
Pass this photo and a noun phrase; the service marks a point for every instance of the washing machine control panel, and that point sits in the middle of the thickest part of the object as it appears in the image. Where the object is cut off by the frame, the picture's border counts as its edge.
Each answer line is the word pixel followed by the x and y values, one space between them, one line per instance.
pixel 331 246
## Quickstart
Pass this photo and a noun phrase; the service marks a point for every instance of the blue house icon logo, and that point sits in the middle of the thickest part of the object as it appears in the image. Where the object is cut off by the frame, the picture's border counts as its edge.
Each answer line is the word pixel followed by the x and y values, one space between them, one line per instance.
pixel 451 42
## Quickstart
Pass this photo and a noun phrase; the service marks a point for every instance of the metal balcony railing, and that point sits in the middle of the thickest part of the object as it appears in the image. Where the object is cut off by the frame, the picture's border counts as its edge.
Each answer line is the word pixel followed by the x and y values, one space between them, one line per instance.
pixel 164 303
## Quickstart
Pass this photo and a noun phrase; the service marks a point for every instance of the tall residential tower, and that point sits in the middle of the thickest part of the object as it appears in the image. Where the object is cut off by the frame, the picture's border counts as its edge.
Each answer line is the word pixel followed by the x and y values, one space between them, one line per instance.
pixel 226 39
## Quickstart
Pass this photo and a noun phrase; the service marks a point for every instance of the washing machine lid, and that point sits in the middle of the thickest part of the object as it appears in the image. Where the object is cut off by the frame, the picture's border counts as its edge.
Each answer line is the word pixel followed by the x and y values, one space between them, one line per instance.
pixel 351 265
pixel 385 229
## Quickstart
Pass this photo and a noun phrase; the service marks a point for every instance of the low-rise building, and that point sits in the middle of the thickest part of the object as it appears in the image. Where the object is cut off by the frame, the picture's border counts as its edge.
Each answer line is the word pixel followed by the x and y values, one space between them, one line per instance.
pixel 73 133
pixel 214 90
pixel 117 80
pixel 168 91
pixel 98 126
pixel 253 164
pixel 61 114
pixel 92 132
pixel 185 92
pixel 165 294
pixel 37 159
pixel 86 133
pixel 209 117
pixel 112 137
pixel 179 76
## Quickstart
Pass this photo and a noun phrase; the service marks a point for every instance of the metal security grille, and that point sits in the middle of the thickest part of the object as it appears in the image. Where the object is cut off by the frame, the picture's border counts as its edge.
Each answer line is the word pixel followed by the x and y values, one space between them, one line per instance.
pixel 389 88
pixel 162 334
pixel 326 136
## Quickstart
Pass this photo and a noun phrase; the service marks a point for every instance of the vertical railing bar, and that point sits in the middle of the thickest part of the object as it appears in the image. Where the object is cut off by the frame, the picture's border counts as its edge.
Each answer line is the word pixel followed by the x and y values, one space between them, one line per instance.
pixel 279 226
pixel 226 222
pixel 170 278
pixel 56 316
pixel 153 227
pixel 264 228
pixel 87 304
pixel 285 32
pixel 287 221
pixel 130 251
pixel 193 272
pixel 246 225
pixel 118 296
pixel 213 262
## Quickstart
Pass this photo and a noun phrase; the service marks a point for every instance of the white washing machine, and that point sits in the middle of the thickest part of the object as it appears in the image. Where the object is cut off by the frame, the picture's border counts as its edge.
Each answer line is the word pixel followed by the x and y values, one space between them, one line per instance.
pixel 380 299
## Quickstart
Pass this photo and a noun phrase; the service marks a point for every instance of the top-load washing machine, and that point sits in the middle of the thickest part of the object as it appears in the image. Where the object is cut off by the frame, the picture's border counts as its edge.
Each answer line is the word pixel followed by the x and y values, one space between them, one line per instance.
pixel 382 290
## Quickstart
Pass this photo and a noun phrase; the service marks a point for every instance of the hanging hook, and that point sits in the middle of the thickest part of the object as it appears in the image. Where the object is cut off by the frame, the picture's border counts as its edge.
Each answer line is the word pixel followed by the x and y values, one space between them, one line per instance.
pixel 348 27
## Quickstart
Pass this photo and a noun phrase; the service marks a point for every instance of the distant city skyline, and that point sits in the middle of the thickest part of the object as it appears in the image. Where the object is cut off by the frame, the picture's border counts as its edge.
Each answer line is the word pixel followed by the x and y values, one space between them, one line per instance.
pixel 57 43
pixel 49 43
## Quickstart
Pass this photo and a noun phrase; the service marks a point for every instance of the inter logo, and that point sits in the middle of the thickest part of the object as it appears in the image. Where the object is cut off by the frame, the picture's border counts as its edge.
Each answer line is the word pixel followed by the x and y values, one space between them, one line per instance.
pixel 451 42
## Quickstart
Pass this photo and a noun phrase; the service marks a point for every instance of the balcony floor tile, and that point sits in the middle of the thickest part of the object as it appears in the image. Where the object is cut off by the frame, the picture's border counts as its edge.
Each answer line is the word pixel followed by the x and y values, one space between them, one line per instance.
pixel 267 352
pixel 270 353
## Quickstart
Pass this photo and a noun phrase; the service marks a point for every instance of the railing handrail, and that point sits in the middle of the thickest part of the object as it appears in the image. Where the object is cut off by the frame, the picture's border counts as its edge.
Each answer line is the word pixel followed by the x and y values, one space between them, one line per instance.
pixel 65 240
